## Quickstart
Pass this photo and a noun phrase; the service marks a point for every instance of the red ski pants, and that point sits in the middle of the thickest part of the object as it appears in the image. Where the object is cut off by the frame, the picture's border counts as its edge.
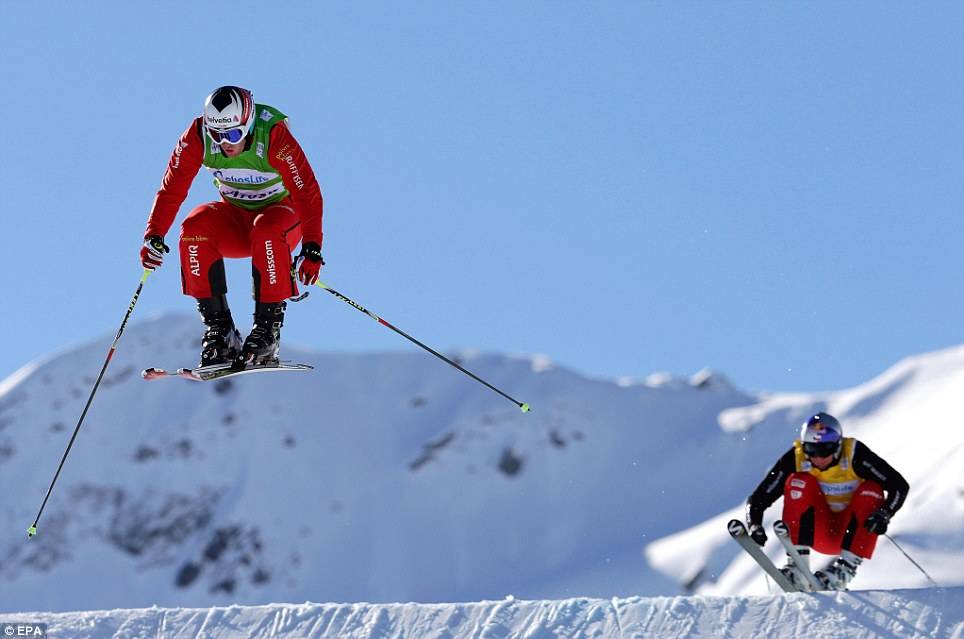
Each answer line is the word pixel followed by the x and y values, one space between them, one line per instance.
pixel 217 230
pixel 813 524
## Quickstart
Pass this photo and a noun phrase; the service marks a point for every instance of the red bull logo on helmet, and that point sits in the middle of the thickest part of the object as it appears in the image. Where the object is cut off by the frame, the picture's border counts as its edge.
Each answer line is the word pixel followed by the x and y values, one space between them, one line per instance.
pixel 821 433
pixel 821 428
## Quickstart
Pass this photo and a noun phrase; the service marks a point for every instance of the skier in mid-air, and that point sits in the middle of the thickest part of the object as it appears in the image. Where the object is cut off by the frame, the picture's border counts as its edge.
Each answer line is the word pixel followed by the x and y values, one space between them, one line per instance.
pixel 838 496
pixel 270 200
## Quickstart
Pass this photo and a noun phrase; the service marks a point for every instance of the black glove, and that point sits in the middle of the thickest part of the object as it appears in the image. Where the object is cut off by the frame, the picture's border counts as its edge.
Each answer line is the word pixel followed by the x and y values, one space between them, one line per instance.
pixel 152 253
pixel 757 534
pixel 878 520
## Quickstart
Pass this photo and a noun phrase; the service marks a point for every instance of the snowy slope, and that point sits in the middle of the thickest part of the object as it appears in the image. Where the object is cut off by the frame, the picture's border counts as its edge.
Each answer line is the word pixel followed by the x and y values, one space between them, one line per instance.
pixel 912 416
pixel 375 477
pixel 933 613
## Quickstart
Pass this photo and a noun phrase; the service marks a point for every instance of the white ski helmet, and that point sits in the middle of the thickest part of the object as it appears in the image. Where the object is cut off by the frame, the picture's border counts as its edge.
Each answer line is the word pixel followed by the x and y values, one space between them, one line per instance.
pixel 821 435
pixel 229 114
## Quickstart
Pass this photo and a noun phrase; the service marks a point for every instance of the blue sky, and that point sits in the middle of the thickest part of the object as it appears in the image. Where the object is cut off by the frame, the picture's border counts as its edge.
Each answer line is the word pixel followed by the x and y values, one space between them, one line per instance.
pixel 772 190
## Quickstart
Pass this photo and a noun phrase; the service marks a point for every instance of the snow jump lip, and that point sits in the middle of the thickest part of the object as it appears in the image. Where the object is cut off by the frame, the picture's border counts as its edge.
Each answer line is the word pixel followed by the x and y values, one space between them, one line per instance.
pixel 931 612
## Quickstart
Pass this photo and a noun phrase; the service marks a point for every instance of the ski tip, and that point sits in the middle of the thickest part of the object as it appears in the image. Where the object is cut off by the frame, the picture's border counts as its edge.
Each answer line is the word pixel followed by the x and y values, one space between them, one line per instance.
pixel 524 408
pixel 31 531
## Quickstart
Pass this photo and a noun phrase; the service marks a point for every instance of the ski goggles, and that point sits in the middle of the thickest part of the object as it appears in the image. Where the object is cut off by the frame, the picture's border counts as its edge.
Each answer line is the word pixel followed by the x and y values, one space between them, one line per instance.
pixel 232 136
pixel 820 449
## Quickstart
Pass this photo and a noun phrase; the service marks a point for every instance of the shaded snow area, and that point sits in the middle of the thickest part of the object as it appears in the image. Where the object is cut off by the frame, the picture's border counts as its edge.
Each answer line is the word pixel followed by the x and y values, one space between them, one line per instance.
pixel 934 613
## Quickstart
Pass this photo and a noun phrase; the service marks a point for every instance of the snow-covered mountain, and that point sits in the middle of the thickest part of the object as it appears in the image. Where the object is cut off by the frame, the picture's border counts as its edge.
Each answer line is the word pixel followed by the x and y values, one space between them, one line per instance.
pixel 392 477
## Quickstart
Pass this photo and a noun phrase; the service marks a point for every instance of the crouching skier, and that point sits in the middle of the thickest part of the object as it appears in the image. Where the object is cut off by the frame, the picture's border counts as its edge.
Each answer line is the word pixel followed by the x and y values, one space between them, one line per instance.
pixel 838 496
pixel 270 200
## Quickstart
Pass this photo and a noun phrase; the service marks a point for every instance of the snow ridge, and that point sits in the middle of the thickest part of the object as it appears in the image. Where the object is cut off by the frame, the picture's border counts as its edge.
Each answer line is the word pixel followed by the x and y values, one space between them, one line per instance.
pixel 936 613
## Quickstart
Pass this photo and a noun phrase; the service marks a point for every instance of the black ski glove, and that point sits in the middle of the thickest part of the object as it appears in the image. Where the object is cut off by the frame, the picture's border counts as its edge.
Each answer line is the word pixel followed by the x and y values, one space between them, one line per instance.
pixel 757 534
pixel 878 520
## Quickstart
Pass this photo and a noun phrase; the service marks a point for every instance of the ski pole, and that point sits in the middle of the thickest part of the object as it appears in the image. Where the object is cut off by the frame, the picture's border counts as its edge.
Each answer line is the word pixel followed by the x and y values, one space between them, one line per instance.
pixel 130 309
pixel 911 560
pixel 523 406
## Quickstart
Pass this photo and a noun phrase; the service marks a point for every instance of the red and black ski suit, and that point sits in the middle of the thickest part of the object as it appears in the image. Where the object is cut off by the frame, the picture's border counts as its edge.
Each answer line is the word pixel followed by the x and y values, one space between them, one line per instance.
pixel 807 513
pixel 217 230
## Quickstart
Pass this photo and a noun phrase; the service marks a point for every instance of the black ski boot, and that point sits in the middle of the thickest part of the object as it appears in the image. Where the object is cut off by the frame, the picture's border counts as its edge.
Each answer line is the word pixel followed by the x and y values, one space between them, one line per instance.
pixel 264 342
pixel 221 343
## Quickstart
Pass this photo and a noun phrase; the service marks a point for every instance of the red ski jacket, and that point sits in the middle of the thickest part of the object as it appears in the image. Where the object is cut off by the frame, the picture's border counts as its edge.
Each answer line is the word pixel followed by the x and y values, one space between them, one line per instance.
pixel 284 154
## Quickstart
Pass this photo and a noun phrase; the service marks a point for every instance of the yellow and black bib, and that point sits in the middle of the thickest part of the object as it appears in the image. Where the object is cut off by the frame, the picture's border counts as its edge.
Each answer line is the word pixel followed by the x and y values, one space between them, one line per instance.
pixel 839 482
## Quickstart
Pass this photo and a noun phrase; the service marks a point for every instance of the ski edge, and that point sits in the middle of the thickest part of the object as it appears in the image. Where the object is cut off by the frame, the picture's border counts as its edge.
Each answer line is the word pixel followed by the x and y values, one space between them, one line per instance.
pixel 219 371
pixel 739 533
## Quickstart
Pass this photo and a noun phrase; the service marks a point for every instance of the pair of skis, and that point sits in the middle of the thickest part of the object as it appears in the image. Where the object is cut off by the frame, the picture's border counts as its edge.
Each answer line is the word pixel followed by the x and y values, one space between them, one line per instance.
pixel 220 371
pixel 741 535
